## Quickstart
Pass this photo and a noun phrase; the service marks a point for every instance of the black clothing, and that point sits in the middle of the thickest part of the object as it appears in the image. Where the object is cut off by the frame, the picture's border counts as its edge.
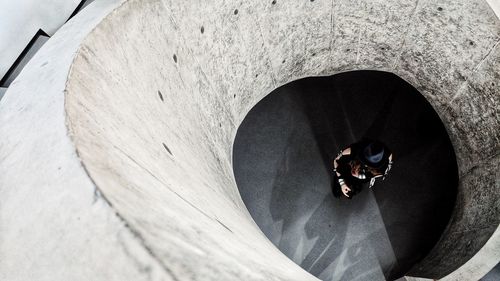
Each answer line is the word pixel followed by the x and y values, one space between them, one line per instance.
pixel 344 169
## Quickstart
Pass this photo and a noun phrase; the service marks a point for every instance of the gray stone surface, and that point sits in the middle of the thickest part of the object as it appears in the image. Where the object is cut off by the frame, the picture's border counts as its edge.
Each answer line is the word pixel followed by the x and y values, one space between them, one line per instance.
pixel 493 275
pixel 461 40
pixel 473 222
pixel 53 226
pixel 481 263
pixel 187 133
pixel 156 175
pixel 475 112
pixel 495 6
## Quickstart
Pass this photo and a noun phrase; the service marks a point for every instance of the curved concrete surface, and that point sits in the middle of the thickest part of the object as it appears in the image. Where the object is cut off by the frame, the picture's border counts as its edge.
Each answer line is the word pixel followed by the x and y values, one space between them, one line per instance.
pixel 115 156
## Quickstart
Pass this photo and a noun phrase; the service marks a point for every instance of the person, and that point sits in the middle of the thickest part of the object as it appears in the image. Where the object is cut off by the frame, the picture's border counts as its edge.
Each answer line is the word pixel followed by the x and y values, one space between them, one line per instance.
pixel 362 162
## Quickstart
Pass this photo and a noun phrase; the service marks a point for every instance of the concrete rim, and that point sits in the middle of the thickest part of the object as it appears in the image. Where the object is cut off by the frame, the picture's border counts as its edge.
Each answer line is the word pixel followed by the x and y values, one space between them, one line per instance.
pixel 79 78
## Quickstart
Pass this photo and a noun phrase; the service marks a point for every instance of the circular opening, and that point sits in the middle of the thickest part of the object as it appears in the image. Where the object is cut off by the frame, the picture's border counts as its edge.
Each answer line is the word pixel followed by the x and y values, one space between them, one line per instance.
pixel 282 159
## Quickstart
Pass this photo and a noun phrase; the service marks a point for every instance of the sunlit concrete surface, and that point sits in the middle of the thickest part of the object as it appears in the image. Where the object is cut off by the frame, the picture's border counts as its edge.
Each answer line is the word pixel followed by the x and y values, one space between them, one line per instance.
pixel 103 178
pixel 493 275
pixel 21 19
pixel 495 6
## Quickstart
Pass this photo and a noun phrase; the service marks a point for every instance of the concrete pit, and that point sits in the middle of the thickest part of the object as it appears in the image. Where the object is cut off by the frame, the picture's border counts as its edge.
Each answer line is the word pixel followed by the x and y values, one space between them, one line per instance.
pixel 102 178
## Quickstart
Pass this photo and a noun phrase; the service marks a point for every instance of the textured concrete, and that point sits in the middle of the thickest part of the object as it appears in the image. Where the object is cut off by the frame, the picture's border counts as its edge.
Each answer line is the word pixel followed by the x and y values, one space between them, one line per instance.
pixel 493 275
pixel 52 225
pixel 146 180
pixel 495 6
pixel 481 263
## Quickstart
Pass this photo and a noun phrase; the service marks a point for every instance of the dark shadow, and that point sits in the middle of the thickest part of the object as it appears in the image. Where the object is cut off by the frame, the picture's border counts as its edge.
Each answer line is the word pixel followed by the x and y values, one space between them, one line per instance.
pixel 78 8
pixel 20 61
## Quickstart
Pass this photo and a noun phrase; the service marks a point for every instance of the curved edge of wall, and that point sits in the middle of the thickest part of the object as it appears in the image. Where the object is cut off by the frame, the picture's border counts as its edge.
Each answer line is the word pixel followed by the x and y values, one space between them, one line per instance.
pixel 495 6
pixel 53 224
pixel 478 266
pixel 41 170
pixel 481 263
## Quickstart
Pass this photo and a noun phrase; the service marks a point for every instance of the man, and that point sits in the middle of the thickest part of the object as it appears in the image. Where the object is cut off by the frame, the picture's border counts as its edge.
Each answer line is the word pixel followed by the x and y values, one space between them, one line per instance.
pixel 360 163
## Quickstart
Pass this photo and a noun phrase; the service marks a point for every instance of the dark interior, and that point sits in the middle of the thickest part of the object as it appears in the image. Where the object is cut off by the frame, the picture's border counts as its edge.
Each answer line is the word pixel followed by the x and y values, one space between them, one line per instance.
pixel 282 164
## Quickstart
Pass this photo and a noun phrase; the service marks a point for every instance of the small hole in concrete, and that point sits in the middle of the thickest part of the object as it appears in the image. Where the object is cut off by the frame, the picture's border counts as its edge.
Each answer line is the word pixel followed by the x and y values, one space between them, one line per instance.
pixel 220 125
pixel 202 29
pixel 175 58
pixel 236 11
pixel 313 54
pixel 382 48
pixel 160 95
pixel 274 2
pixel 234 96
pixel 312 0
pixel 440 9
pixel 348 50
pixel 168 150
pixel 283 61
pixel 471 43
pixel 256 75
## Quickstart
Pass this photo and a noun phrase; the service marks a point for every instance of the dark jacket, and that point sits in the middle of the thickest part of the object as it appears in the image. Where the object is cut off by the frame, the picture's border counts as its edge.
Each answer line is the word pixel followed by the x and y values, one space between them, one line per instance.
pixel 356 184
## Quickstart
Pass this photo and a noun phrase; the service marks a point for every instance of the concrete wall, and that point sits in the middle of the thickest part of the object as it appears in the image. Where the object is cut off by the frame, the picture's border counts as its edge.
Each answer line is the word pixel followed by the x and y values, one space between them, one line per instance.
pixel 121 170
pixel 495 6
pixel 20 21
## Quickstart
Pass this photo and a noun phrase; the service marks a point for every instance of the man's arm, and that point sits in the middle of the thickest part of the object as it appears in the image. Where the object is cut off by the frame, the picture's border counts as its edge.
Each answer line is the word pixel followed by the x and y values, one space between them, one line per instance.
pixel 343 186
pixel 346 151
pixel 386 172
pixel 389 166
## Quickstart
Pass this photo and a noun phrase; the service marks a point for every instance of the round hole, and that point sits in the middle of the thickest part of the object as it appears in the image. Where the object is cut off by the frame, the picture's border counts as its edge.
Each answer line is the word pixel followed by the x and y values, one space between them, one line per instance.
pixel 324 113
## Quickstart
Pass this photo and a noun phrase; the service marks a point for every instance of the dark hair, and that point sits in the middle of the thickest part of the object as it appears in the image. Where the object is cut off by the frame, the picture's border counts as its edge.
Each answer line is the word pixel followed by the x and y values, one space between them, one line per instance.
pixel 356 164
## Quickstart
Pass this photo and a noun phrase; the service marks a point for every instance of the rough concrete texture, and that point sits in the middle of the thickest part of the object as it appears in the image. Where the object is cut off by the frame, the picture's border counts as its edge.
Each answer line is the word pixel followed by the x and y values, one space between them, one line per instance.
pixel 52 225
pixel 155 94
pixel 493 275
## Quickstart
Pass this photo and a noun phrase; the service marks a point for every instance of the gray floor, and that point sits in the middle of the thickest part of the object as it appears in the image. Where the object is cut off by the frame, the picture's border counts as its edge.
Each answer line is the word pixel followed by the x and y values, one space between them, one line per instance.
pixel 281 158
pixel 493 275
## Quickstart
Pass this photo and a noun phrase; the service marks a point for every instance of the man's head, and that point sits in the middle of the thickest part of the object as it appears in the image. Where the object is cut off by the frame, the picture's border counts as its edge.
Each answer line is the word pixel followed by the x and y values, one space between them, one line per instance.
pixel 373 154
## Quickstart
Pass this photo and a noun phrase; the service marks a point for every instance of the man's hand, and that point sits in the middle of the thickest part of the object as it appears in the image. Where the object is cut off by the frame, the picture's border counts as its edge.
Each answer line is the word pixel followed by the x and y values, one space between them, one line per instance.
pixel 345 189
